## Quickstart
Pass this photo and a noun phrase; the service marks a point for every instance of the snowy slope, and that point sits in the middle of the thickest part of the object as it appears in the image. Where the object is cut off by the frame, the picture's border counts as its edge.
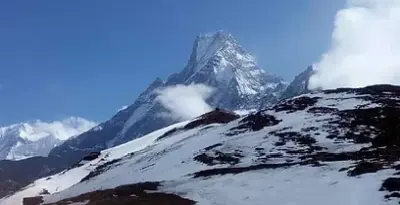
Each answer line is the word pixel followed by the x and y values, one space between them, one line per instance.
pixel 331 147
pixel 68 178
pixel 37 138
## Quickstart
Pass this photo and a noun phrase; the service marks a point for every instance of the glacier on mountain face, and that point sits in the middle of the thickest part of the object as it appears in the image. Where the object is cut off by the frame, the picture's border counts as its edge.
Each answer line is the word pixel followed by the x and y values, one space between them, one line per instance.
pixel 37 138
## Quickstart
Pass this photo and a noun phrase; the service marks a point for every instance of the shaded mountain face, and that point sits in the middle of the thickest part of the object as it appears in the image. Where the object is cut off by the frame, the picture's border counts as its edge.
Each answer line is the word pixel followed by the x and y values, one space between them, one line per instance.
pixel 217 61
pixel 331 147
pixel 299 85
pixel 16 174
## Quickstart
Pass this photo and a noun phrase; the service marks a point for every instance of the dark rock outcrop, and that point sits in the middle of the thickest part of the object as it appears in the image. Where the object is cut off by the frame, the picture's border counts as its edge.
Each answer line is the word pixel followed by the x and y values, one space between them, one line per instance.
pixel 122 195
pixel 216 116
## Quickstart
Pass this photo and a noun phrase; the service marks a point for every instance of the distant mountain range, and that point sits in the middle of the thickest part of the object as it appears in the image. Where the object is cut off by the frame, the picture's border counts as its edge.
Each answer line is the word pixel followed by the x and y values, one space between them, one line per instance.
pixel 25 140
pixel 217 61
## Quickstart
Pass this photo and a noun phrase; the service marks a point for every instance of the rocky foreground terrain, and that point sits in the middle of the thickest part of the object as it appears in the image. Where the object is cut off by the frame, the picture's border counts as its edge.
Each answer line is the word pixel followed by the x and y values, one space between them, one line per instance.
pixel 329 147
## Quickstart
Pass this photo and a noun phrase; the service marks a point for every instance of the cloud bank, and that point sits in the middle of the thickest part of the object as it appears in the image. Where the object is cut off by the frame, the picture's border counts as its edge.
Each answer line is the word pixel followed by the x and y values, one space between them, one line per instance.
pixel 185 102
pixel 365 47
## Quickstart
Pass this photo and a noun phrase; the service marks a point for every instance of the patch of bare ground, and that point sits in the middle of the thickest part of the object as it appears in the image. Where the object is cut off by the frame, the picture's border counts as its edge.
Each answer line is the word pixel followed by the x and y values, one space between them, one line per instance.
pixel 254 122
pixel 137 194
pixel 215 116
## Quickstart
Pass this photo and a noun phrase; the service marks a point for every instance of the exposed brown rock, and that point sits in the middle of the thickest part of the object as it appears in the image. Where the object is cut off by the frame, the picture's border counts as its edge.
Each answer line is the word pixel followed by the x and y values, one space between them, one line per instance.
pixel 216 116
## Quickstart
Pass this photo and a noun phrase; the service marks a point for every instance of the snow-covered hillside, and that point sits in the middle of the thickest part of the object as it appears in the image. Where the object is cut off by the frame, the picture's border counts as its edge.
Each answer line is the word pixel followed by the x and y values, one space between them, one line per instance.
pixel 332 147
pixel 37 138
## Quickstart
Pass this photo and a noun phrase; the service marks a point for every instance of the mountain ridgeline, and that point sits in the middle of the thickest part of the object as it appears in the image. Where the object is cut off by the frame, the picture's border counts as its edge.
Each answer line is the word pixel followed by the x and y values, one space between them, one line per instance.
pixel 217 60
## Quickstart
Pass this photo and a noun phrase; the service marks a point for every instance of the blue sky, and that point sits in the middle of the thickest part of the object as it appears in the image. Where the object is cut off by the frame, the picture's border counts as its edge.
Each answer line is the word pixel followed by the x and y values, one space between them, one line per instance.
pixel 88 58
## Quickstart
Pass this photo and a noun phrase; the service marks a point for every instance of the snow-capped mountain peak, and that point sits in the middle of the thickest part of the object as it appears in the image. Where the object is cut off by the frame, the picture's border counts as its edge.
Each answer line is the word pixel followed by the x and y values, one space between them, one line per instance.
pixel 37 138
pixel 217 61
pixel 219 53
pixel 208 44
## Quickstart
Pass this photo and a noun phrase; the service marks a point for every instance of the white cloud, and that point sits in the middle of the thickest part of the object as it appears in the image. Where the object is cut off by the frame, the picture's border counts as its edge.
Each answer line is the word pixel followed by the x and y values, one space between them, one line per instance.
pixel 365 47
pixel 40 137
pixel 62 129
pixel 185 102
pixel 122 108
